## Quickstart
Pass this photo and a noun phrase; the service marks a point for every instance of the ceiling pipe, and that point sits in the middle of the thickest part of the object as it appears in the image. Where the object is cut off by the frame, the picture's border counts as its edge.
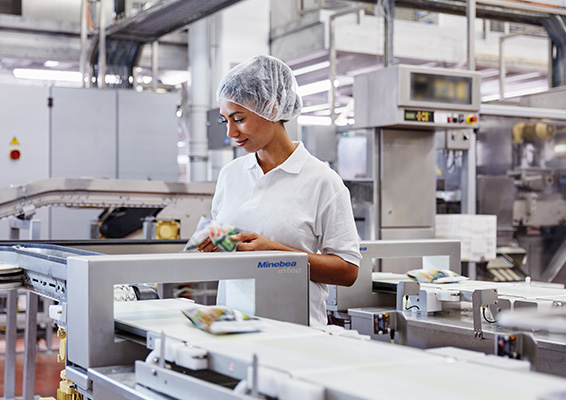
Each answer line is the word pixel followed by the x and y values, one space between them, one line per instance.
pixel 154 64
pixel 471 18
pixel 83 55
pixel 389 16
pixel 102 44
pixel 199 101
pixel 332 56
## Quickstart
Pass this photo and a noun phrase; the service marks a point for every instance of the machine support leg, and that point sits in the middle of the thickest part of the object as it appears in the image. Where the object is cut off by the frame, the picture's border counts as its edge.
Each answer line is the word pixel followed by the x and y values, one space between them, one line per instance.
pixel 30 347
pixel 11 332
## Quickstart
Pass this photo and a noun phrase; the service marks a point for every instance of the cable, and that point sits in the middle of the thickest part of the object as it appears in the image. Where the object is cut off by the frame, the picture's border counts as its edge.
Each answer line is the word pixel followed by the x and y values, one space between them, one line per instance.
pixel 407 303
pixel 485 317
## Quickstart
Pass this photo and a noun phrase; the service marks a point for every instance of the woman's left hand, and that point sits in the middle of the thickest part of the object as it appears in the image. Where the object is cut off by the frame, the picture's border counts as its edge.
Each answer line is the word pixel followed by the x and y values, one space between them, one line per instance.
pixel 251 241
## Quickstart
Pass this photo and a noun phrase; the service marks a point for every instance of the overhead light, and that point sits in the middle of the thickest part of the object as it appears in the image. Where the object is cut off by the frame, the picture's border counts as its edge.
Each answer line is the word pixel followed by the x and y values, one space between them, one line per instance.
pixel 311 68
pixel 309 120
pixel 312 88
pixel 174 78
pixel 182 159
pixel 112 79
pixel 47 75
pixel 316 107
pixel 50 63
pixel 560 149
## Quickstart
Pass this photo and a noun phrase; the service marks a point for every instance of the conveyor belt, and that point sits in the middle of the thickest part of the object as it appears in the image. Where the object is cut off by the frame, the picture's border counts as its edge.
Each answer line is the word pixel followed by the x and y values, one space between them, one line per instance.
pixel 346 368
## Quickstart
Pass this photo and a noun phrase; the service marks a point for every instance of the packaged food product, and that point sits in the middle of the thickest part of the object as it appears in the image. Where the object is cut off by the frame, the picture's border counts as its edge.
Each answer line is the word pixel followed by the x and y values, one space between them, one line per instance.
pixel 222 320
pixel 220 234
pixel 435 276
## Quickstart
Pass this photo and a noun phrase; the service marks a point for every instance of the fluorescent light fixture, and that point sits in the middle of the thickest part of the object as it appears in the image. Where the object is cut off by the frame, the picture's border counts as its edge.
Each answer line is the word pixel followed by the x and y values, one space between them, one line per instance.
pixel 560 149
pixel 174 78
pixel 47 75
pixel 50 63
pixel 308 120
pixel 311 68
pixel 315 87
pixel 316 107
pixel 323 86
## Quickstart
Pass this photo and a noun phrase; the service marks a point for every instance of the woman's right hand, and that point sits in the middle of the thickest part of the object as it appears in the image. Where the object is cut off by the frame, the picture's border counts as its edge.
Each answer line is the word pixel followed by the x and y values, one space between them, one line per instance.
pixel 207 246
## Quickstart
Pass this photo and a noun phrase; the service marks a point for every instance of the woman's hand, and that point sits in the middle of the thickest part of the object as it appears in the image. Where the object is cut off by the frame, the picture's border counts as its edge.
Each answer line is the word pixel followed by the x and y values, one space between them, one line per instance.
pixel 207 246
pixel 251 241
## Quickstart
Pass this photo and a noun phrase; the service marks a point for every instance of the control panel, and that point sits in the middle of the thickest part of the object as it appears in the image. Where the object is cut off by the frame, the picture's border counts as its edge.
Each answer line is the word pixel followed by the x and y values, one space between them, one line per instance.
pixel 417 97
pixel 454 119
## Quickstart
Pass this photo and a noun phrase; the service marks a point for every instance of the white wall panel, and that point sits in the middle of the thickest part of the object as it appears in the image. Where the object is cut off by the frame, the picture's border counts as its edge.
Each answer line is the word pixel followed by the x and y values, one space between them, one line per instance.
pixel 84 133
pixel 25 116
pixel 147 136
pixel 83 145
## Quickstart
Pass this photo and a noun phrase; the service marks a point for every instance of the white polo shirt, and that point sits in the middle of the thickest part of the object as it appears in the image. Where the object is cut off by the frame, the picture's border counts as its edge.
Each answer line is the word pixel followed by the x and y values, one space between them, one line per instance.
pixel 302 204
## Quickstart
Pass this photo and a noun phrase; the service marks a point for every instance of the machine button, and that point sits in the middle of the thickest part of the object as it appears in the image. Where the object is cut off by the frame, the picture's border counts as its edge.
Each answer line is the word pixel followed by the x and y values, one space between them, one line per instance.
pixel 471 119
pixel 15 154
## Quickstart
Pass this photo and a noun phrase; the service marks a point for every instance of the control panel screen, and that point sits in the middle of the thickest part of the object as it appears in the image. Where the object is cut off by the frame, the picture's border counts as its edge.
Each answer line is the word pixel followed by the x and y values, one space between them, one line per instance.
pixel 419 116
pixel 441 88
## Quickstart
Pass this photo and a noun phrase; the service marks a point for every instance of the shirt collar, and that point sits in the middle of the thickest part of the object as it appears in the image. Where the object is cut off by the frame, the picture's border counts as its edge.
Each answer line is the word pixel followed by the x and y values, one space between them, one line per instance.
pixel 291 165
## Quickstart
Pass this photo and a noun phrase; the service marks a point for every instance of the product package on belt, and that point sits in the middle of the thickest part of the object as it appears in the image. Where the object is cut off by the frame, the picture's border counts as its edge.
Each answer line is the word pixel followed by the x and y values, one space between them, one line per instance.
pixel 435 276
pixel 222 320
pixel 220 234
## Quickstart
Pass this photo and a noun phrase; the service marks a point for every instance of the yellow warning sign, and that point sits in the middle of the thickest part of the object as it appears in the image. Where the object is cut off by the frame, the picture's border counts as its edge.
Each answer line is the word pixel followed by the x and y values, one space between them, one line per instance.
pixel 14 142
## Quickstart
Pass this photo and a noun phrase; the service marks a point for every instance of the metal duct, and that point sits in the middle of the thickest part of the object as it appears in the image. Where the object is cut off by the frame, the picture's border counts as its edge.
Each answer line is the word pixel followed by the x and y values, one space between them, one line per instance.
pixel 125 38
pixel 555 25
pixel 556 28
pixel 164 17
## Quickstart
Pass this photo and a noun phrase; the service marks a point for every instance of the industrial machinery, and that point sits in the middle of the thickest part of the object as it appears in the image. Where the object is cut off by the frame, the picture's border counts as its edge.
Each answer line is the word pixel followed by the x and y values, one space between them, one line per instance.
pixel 521 170
pixel 82 283
pixel 150 350
pixel 398 110
pixel 462 314
pixel 175 207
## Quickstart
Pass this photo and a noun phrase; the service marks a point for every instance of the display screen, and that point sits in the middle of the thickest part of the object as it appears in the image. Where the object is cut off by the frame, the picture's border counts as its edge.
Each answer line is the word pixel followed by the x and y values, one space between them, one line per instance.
pixel 419 116
pixel 441 88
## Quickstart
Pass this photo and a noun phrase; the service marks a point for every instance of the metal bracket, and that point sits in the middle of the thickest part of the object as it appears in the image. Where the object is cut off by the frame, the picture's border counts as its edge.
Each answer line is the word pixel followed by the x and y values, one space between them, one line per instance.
pixel 481 297
pixel 406 289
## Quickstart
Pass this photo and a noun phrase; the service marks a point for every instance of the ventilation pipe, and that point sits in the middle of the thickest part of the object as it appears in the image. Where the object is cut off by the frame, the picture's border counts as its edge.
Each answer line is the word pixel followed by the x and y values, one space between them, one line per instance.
pixel 200 78
pixel 83 55
pixel 102 43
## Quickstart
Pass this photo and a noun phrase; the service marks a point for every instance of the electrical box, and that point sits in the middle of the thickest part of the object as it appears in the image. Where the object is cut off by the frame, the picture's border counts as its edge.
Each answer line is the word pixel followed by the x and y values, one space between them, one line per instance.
pixel 458 139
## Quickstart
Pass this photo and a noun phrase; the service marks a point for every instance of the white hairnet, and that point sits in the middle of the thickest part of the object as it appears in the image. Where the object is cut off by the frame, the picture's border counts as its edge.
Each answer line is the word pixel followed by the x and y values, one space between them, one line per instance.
pixel 264 85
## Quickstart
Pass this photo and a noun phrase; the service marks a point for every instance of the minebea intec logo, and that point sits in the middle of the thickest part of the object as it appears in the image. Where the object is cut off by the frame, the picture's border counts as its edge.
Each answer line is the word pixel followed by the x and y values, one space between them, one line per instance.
pixel 284 267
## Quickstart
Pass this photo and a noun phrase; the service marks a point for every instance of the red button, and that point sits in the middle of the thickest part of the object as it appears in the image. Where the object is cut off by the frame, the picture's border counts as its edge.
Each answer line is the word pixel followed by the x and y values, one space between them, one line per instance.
pixel 15 154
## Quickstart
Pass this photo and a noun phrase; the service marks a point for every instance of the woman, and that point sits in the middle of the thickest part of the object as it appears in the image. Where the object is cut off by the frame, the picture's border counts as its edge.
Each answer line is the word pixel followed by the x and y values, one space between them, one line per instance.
pixel 279 195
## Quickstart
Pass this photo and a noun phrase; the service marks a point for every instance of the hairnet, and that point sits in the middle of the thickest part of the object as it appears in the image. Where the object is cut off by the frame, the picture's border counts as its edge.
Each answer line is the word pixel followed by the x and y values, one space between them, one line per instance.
pixel 264 85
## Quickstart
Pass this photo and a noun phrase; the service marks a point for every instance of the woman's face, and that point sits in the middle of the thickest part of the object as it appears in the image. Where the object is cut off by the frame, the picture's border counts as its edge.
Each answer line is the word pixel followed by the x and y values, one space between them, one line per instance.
pixel 250 131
